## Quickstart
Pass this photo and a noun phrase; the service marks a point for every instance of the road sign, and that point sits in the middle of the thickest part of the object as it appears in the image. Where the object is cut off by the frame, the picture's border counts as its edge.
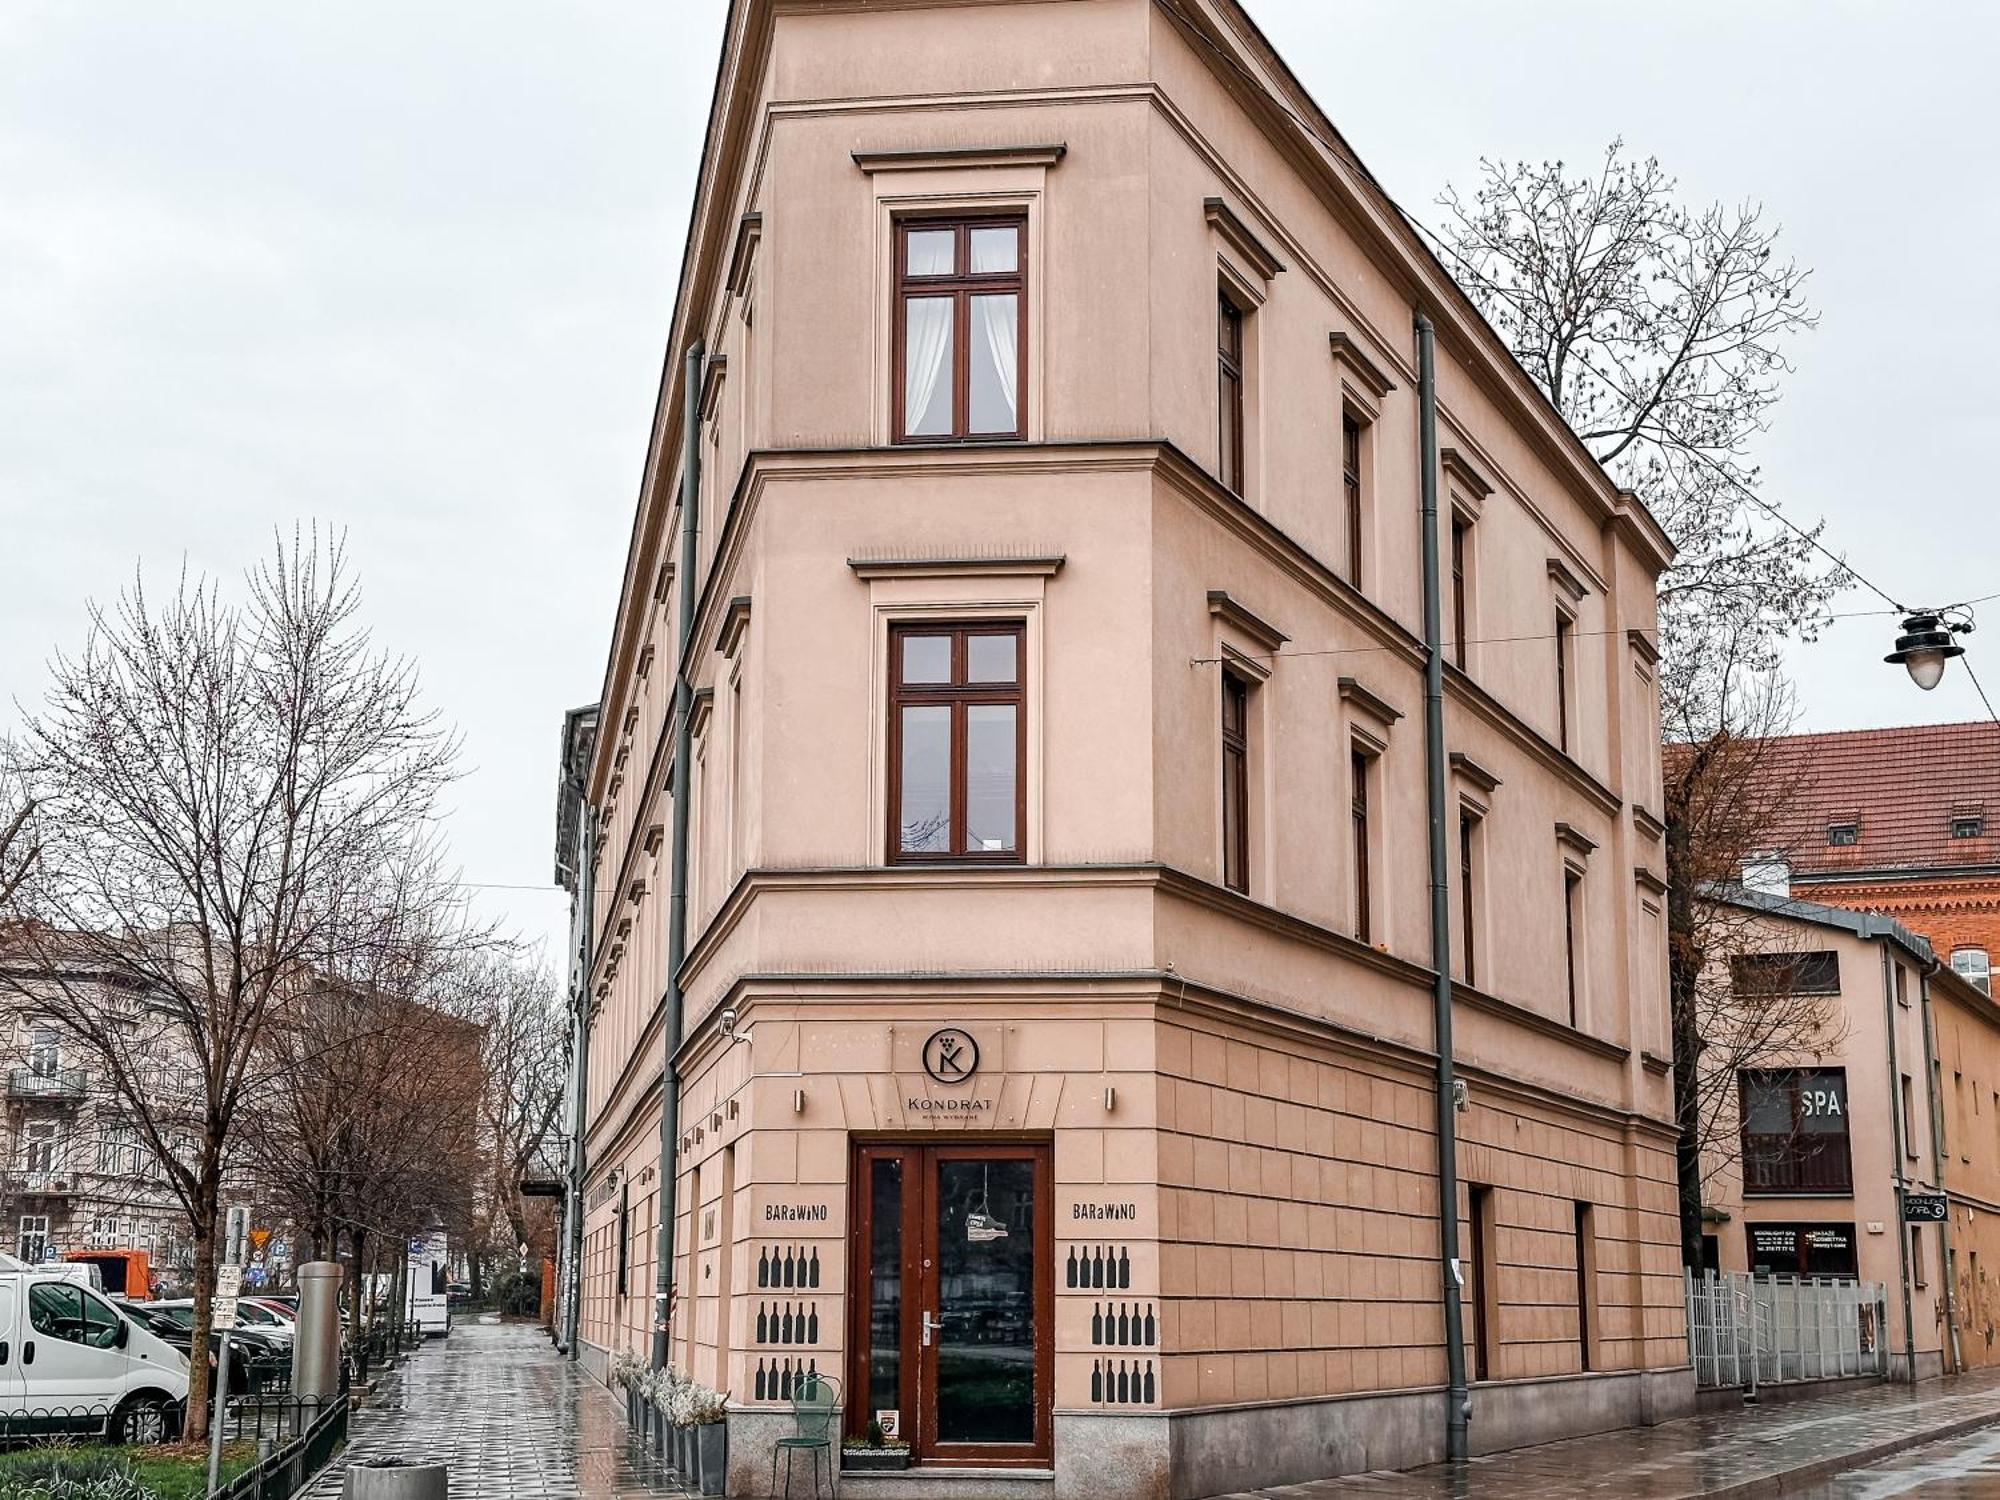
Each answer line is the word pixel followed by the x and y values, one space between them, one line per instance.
pixel 1924 1208
pixel 228 1286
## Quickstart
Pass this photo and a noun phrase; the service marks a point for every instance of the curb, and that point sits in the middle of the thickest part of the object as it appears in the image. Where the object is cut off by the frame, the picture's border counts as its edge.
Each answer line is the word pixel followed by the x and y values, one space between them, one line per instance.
pixel 1797 1481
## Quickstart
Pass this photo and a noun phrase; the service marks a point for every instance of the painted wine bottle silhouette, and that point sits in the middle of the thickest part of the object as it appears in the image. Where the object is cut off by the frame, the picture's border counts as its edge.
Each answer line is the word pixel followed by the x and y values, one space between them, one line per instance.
pixel 1097 1380
pixel 1072 1268
pixel 1152 1329
pixel 762 1327
pixel 1148 1394
pixel 812 1327
pixel 785 1328
pixel 763 1268
pixel 1124 1388
pixel 1124 1324
pixel 814 1280
pixel 1096 1324
pixel 1124 1270
pixel 1097 1267
pixel 791 1268
pixel 758 1385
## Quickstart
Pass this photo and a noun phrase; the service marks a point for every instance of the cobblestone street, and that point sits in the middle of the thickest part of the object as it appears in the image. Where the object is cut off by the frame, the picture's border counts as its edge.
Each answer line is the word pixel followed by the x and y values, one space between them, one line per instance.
pixel 512 1419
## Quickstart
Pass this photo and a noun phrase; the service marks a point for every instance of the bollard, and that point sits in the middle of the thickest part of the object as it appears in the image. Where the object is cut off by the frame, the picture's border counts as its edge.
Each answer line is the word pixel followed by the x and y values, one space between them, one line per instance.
pixel 393 1479
pixel 316 1346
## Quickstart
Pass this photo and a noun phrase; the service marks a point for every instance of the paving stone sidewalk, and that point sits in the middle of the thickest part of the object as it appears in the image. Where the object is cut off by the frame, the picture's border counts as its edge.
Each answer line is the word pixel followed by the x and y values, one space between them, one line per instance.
pixel 512 1419
pixel 1777 1449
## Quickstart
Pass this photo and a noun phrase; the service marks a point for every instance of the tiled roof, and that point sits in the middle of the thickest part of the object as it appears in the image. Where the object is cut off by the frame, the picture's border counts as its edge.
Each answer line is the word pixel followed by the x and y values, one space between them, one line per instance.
pixel 1901 789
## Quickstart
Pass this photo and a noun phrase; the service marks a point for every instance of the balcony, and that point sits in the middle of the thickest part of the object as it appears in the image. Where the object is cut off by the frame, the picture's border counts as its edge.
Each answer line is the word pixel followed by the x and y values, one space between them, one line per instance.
pixel 61 1085
pixel 42 1184
pixel 1775 1165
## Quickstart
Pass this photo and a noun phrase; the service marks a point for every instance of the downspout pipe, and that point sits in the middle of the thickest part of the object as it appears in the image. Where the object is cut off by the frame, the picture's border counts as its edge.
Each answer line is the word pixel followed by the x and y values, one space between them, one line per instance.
pixel 1899 1133
pixel 671 1001
pixel 580 1079
pixel 1933 1084
pixel 1458 1396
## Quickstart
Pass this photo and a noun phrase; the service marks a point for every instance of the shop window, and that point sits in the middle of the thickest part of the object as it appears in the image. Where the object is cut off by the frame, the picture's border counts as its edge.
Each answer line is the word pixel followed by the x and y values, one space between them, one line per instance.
pixel 1795 1137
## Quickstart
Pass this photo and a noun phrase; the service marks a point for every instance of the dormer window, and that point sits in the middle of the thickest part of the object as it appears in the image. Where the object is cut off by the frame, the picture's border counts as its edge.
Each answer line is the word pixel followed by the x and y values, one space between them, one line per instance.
pixel 1843 835
pixel 1968 826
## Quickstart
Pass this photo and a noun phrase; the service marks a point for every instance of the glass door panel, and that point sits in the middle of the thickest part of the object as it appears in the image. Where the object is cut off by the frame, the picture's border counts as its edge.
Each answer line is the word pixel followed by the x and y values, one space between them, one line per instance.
pixel 986 1321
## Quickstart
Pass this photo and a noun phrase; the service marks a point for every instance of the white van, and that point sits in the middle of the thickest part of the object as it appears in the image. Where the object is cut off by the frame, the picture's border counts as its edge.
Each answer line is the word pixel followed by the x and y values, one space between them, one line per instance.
pixel 72 1361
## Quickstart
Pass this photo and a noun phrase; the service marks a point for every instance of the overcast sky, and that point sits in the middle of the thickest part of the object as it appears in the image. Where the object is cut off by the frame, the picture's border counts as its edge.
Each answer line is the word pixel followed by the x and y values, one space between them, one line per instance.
pixel 407 270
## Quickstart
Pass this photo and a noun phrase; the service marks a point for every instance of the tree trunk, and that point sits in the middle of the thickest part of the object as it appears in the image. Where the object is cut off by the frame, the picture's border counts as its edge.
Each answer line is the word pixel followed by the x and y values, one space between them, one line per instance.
pixel 1684 965
pixel 204 1292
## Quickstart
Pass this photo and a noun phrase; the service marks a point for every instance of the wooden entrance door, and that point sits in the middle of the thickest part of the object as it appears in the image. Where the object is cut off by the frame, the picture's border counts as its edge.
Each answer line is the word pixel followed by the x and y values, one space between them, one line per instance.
pixel 953 1300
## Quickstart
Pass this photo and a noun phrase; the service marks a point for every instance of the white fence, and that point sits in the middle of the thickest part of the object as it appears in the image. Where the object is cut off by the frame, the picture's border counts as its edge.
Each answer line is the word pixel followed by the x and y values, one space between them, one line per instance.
pixel 1746 1330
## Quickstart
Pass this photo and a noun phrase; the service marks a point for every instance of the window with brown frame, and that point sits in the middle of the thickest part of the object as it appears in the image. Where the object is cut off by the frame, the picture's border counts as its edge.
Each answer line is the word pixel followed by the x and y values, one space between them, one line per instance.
pixel 1564 632
pixel 1795 1130
pixel 1235 783
pixel 961 329
pixel 1350 484
pixel 957 742
pixel 1460 532
pixel 1358 767
pixel 1468 825
pixel 1572 896
pixel 1229 393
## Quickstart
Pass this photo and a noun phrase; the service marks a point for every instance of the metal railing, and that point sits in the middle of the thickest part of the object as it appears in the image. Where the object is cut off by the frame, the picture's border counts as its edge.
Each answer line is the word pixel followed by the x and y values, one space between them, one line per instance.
pixel 47 1083
pixel 1746 1331
pixel 300 1436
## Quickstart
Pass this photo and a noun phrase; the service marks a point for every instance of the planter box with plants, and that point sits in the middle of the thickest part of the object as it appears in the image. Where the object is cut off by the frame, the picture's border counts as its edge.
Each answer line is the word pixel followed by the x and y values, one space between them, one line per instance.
pixel 877 1453
pixel 685 1419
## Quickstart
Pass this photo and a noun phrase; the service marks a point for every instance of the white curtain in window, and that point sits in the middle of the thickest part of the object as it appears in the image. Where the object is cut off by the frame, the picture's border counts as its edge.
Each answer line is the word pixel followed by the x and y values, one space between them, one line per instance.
pixel 926 335
pixel 997 316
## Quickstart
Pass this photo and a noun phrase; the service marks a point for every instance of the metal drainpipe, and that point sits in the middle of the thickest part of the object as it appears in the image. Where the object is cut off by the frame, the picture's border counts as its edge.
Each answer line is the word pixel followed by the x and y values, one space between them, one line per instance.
pixel 670 1004
pixel 1898 1127
pixel 1938 1158
pixel 587 910
pixel 1458 1397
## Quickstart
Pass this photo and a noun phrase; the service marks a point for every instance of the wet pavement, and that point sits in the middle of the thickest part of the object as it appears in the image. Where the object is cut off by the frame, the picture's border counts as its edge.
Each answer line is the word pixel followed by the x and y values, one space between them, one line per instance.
pixel 512 1419
pixel 1966 1468
pixel 1763 1450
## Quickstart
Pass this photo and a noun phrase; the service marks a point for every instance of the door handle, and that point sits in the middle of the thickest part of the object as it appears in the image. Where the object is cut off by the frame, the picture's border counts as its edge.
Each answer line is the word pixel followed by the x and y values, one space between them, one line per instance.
pixel 930 1326
pixel 4 1351
pixel 27 1351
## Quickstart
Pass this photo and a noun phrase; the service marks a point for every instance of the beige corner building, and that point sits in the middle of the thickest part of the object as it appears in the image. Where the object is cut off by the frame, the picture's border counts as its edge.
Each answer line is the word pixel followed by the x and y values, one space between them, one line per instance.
pixel 1057 1066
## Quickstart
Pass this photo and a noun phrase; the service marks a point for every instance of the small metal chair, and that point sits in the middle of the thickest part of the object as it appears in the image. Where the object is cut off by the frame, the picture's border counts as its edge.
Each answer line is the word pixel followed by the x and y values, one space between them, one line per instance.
pixel 816 1430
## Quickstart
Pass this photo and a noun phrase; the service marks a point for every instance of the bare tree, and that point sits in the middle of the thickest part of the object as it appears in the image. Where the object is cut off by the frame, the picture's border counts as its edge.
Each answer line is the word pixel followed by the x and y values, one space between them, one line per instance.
pixel 228 794
pixel 18 845
pixel 1659 332
pixel 524 1067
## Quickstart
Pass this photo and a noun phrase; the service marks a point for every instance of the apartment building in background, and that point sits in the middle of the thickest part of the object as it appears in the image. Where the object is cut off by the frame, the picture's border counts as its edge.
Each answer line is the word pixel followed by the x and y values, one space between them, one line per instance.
pixel 1057 1069
pixel 1903 821
pixel 1965 1025
pixel 1830 1135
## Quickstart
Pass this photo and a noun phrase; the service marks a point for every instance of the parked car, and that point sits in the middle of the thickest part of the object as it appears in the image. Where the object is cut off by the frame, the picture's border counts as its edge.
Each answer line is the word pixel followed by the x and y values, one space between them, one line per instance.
pixel 249 1315
pixel 256 1359
pixel 82 1365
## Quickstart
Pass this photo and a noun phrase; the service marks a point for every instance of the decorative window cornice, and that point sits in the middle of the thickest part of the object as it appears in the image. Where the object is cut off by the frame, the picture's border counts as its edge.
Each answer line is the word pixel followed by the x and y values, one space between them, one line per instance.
pixel 1567 581
pixel 1643 646
pixel 735 620
pixel 1234 615
pixel 1376 707
pixel 1458 468
pixel 1572 838
pixel 922 158
pixel 1472 772
pixel 957 567
pixel 1236 234
pixel 711 385
pixel 748 233
pixel 1348 352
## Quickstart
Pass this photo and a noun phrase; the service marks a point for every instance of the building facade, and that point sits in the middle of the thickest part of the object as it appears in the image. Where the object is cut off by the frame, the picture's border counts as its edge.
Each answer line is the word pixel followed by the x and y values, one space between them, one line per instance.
pixel 1965 1025
pixel 1057 1068
pixel 1903 821
pixel 1832 1133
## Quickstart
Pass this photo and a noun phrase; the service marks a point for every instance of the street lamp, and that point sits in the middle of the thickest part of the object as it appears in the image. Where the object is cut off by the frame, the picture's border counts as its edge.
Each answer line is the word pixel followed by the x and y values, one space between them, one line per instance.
pixel 1924 647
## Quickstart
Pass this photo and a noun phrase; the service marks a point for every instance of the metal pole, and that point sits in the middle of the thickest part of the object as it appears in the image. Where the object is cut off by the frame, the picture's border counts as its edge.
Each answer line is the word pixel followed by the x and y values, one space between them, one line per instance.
pixel 670 1004
pixel 218 1409
pixel 316 1346
pixel 1932 1081
pixel 1897 1127
pixel 1458 1396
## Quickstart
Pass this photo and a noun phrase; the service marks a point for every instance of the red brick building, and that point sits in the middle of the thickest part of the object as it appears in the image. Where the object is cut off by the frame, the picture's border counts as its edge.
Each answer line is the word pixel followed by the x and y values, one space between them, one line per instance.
pixel 1905 822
